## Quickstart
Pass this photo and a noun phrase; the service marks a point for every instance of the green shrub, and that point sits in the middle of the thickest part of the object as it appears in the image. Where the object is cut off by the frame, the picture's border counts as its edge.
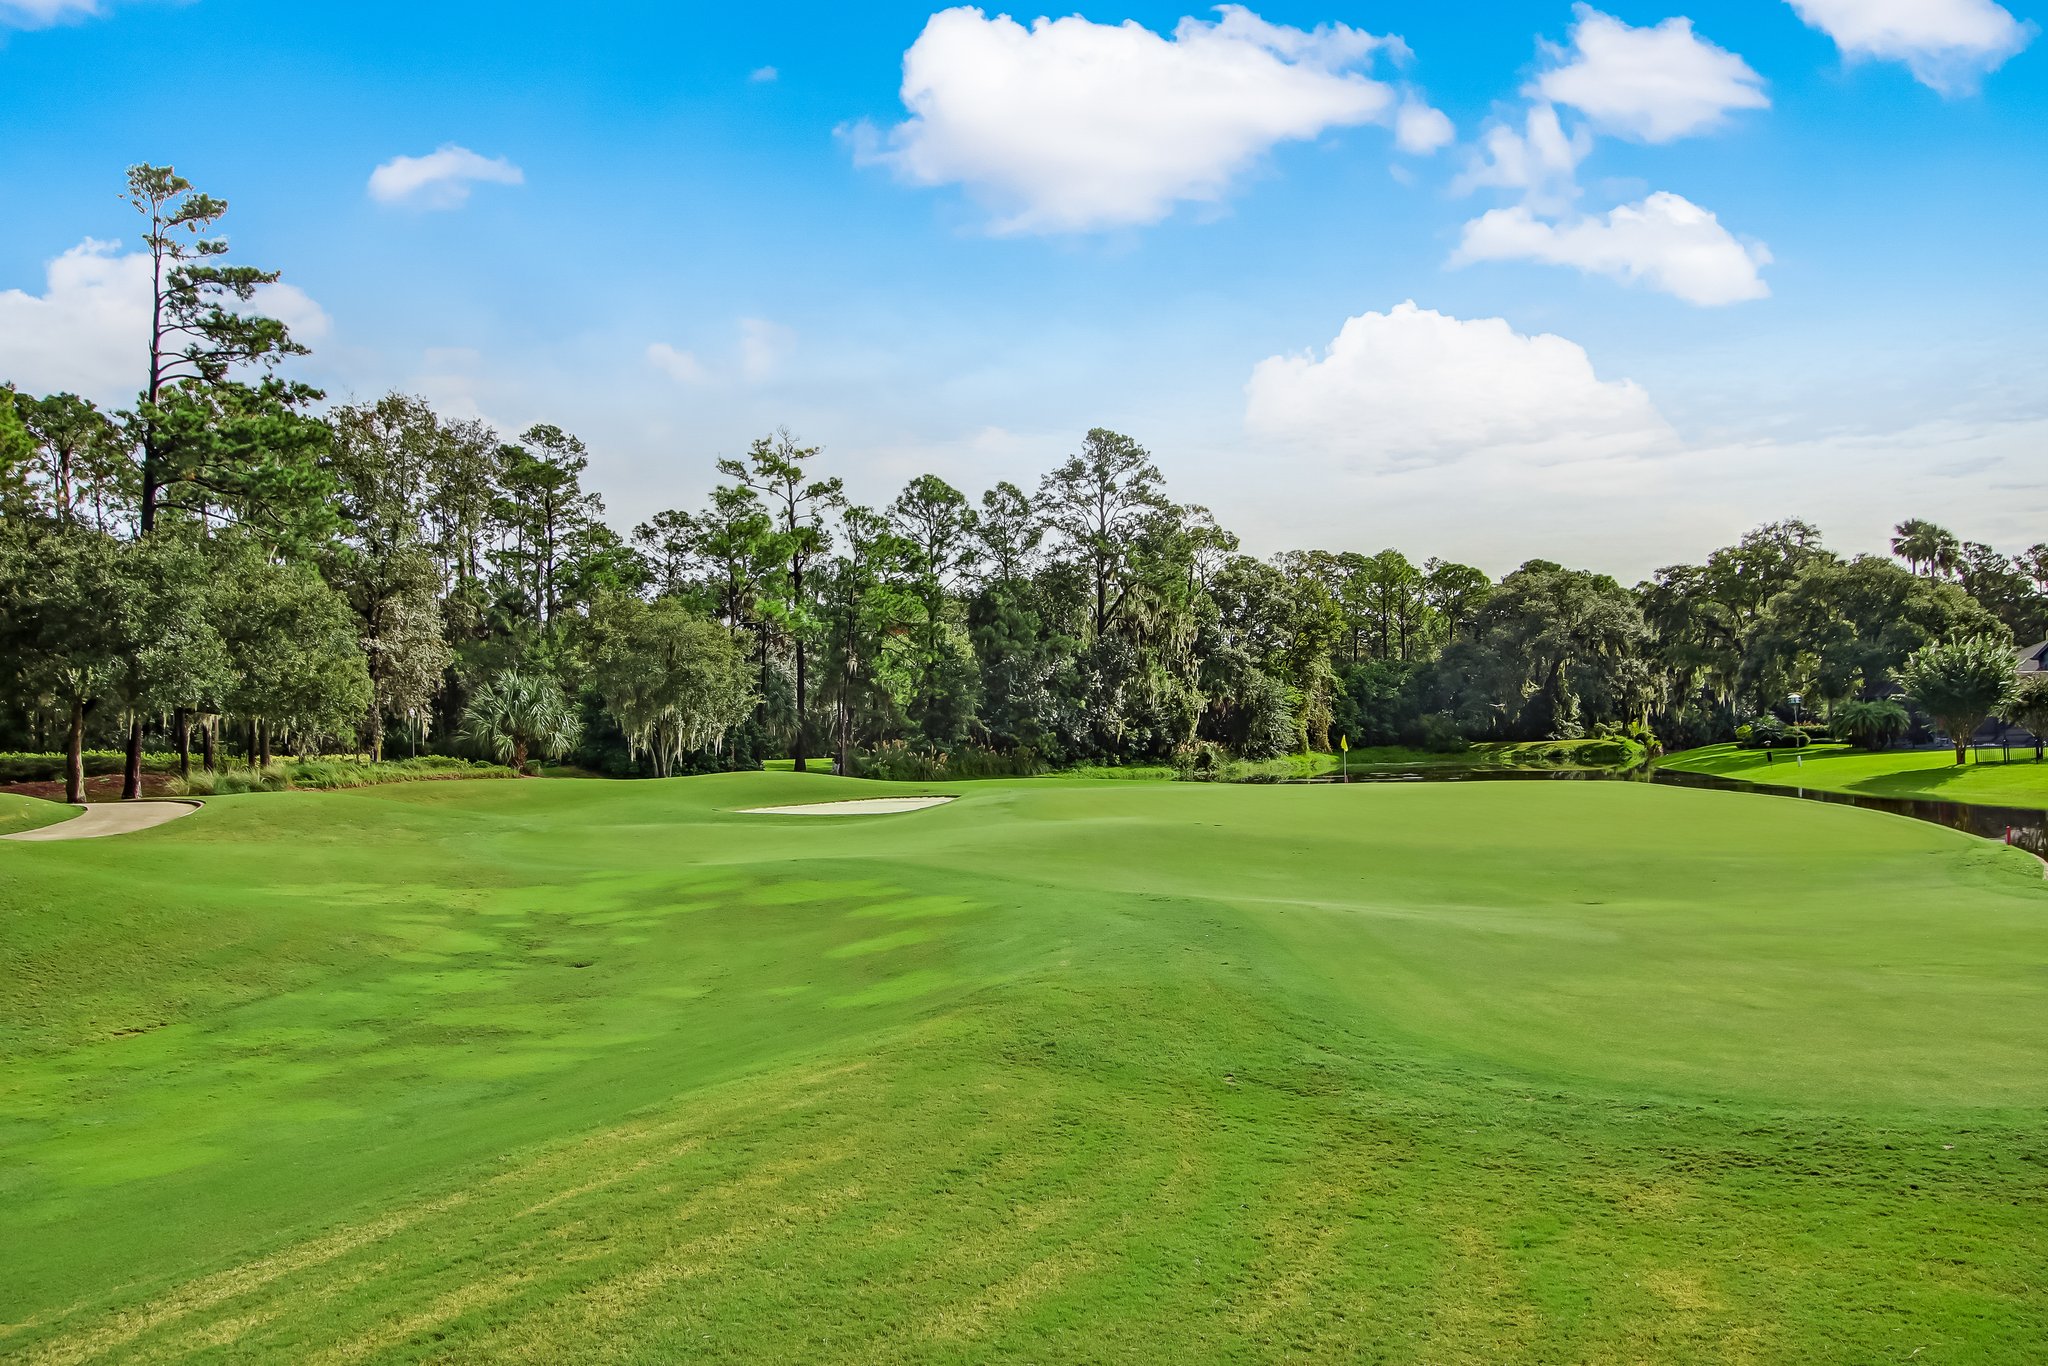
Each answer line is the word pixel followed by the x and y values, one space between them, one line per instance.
pixel 339 773
pixel 329 774
pixel 900 763
pixel 1204 761
pixel 1768 732
pixel 1440 735
pixel 229 782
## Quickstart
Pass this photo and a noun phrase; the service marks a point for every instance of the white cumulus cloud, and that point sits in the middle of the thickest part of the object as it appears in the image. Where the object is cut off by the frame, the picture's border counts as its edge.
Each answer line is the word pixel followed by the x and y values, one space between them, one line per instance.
pixel 682 366
pixel 760 353
pixel 1947 44
pixel 1073 126
pixel 88 331
pixel 1666 242
pixel 1656 84
pixel 1413 386
pixel 1540 159
pixel 43 13
pixel 441 179
pixel 1420 130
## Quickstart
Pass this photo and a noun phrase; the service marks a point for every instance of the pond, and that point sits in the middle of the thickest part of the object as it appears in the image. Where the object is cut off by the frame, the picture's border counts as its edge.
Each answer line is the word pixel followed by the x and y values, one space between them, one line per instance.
pixel 2023 826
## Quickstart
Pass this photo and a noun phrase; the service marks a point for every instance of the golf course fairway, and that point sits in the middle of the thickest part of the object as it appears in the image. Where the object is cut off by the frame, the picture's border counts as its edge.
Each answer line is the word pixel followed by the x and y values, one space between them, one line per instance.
pixel 572 1071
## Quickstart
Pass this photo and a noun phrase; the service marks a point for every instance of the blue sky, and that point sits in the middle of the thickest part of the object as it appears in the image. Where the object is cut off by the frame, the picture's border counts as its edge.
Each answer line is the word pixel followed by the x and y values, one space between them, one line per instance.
pixel 1786 259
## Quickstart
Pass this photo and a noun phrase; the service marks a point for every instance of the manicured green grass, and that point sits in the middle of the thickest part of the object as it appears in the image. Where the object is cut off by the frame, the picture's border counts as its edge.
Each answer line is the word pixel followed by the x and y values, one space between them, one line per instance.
pixel 1894 773
pixel 576 1071
pixel 30 813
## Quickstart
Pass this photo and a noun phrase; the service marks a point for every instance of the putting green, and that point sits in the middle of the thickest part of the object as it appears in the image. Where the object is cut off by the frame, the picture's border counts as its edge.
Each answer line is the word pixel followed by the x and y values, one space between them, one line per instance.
pixel 1061 1070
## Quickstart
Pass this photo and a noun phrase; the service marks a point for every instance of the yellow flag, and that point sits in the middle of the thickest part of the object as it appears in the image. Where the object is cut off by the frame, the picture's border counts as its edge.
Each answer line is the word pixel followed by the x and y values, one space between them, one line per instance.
pixel 1344 743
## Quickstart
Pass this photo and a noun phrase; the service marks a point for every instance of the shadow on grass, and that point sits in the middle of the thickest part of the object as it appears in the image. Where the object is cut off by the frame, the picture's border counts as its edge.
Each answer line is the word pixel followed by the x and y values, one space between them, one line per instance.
pixel 1931 780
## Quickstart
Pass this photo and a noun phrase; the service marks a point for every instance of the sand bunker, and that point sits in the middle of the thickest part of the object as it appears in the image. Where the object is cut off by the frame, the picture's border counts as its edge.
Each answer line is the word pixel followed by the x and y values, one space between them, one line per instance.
pixel 874 806
pixel 109 818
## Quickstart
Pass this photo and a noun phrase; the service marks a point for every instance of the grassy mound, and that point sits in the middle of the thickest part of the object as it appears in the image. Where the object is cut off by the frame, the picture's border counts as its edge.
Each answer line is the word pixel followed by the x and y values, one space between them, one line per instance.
pixel 1060 1071
pixel 30 813
pixel 1991 781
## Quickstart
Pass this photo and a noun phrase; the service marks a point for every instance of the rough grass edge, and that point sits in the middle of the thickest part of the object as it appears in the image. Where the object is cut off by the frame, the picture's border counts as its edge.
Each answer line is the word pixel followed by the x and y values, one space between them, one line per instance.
pixel 19 814
pixel 324 775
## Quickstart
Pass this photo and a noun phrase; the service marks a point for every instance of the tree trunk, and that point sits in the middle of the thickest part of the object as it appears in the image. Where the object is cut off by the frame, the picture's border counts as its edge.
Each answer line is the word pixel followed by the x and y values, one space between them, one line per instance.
pixel 519 755
pixel 797 745
pixel 1961 755
pixel 74 756
pixel 209 740
pixel 797 603
pixel 263 743
pixel 152 463
pixel 152 484
pixel 184 725
pixel 131 777
pixel 761 658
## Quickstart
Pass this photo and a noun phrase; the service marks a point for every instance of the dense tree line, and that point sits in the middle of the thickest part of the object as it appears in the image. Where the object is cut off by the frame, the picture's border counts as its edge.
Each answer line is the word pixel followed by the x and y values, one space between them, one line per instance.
pixel 225 567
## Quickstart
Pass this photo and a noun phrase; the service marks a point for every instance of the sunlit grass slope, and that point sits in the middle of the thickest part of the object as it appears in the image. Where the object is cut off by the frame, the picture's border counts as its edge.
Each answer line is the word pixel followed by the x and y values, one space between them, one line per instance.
pixel 1993 781
pixel 575 1071
pixel 30 813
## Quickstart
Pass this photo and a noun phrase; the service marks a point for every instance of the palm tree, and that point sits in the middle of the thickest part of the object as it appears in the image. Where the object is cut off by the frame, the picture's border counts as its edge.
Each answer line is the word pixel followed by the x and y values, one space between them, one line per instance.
pixel 516 715
pixel 2034 564
pixel 1946 559
pixel 1909 541
pixel 1872 725
pixel 1916 541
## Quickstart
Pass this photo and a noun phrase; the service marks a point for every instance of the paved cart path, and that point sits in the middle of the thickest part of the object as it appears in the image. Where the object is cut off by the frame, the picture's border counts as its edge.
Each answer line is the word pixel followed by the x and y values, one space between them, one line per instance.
pixel 110 818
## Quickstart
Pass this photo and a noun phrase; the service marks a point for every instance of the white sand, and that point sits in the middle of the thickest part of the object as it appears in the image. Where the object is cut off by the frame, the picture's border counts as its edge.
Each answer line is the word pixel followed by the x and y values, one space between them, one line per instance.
pixel 110 818
pixel 874 806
